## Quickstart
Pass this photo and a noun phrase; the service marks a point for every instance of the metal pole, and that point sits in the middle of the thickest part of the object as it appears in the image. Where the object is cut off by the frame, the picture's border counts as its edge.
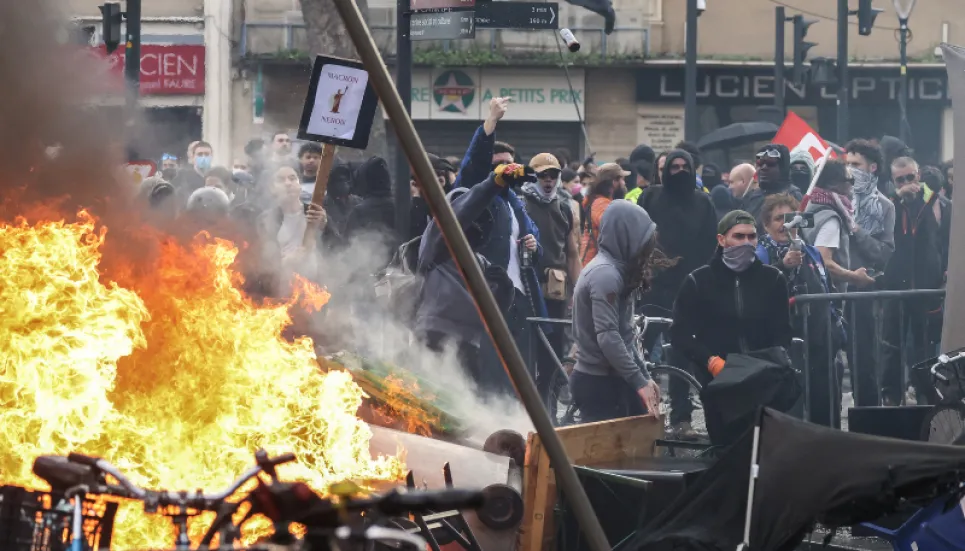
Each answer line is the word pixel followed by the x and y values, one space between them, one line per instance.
pixel 844 87
pixel 779 19
pixel 459 248
pixel 132 72
pixel 905 126
pixel 403 83
pixel 690 75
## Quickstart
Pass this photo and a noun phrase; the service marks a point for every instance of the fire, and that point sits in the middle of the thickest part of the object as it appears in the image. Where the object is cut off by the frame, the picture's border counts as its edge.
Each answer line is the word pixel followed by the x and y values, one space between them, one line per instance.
pixel 402 402
pixel 171 373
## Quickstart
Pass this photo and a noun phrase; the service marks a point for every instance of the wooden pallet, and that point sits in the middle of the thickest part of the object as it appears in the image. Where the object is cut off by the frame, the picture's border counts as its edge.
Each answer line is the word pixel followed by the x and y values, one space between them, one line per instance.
pixel 607 444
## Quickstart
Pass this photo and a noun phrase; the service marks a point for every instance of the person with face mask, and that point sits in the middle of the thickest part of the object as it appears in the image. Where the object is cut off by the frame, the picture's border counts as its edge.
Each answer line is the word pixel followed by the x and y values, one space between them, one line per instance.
pixel 191 178
pixel 871 246
pixel 734 304
pixel 687 222
pixel 169 167
pixel 773 176
pixel 608 184
pixel 833 208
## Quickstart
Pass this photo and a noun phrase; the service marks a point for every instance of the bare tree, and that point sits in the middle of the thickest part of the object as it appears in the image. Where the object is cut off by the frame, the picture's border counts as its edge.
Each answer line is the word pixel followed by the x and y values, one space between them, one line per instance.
pixel 327 35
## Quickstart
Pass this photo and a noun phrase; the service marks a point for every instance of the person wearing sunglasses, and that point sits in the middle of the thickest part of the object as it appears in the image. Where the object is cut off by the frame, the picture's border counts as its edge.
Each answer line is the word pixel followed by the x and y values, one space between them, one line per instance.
pixel 773 176
pixel 916 264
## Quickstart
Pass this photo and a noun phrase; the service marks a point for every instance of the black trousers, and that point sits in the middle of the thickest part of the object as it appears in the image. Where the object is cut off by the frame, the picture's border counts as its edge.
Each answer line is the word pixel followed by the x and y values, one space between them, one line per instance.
pixel 864 364
pixel 924 329
pixel 604 397
pixel 492 366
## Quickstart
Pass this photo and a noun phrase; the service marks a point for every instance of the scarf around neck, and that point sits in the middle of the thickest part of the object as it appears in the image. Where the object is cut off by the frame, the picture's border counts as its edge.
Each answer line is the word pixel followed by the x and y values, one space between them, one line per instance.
pixel 536 190
pixel 836 201
pixel 869 215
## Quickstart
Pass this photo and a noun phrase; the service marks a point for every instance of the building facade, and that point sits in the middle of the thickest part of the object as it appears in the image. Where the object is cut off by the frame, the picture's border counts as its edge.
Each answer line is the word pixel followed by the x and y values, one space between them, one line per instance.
pixel 621 89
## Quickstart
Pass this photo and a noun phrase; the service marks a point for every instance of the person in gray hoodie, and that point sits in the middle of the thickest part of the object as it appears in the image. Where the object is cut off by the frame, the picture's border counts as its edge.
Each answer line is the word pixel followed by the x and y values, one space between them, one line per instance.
pixel 610 379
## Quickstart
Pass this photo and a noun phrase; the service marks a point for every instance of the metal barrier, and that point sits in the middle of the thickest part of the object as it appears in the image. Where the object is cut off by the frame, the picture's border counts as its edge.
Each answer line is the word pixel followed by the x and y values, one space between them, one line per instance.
pixel 800 305
pixel 536 334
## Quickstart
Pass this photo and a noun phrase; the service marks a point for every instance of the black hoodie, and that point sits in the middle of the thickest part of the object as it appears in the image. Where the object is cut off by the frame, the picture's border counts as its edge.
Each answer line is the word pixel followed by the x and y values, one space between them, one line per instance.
pixel 686 227
pixel 376 212
pixel 339 201
pixel 753 202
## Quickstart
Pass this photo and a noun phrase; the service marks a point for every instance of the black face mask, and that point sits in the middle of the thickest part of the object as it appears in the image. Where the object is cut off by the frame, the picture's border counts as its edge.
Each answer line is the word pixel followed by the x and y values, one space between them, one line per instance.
pixel 801 179
pixel 679 182
pixel 169 173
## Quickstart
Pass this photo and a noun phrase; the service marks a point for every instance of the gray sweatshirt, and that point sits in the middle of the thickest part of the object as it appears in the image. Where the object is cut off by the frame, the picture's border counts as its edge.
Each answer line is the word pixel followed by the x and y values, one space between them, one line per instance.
pixel 601 301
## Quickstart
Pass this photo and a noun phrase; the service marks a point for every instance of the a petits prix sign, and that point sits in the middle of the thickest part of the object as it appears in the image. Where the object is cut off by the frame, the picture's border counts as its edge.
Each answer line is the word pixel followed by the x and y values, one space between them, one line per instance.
pixel 464 93
pixel 755 85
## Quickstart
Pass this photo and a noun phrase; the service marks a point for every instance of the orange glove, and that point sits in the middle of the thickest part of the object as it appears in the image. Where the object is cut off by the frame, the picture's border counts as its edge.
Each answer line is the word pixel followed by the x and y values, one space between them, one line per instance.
pixel 715 365
pixel 509 174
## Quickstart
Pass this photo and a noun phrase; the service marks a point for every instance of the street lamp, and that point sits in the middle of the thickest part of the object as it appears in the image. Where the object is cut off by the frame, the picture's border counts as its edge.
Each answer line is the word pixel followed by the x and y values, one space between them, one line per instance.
pixel 694 9
pixel 904 12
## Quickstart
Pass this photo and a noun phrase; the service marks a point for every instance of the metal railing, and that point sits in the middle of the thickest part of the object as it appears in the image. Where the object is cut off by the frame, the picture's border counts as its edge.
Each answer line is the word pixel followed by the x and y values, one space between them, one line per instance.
pixel 801 311
pixel 273 39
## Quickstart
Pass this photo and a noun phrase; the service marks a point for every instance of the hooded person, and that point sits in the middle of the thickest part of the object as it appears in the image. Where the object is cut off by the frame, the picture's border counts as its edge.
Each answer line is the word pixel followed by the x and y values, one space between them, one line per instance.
pixel 419 213
pixel 891 148
pixel 687 221
pixel 773 176
pixel 610 379
pixel 711 176
pixel 801 170
pixel 375 213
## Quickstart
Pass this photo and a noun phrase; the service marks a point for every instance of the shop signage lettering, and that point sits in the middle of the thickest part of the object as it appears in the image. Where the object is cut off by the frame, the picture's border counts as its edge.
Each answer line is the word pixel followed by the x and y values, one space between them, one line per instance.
pixel 757 86
pixel 165 69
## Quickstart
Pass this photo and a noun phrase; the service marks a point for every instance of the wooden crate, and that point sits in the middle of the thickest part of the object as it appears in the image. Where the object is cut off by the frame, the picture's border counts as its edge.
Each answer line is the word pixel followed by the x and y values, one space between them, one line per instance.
pixel 613 444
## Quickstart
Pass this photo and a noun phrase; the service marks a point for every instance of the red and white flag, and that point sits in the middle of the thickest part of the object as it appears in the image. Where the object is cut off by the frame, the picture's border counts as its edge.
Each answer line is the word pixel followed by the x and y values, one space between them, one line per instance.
pixel 140 170
pixel 798 135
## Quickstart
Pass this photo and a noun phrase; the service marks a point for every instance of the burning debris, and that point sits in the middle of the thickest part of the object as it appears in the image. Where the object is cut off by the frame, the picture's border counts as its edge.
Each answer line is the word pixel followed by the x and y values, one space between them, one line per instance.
pixel 166 370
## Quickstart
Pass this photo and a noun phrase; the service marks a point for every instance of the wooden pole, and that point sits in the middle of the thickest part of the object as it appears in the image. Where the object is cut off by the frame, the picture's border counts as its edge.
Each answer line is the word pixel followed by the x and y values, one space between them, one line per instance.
pixel 321 184
pixel 464 257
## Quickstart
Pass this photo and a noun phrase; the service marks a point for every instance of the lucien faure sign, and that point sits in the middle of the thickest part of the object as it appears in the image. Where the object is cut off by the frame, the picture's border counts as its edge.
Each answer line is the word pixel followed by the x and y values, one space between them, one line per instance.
pixel 755 85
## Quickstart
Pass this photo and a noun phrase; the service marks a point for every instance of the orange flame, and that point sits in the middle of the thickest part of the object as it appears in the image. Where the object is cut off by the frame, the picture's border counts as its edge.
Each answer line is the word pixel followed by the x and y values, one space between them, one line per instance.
pixel 171 373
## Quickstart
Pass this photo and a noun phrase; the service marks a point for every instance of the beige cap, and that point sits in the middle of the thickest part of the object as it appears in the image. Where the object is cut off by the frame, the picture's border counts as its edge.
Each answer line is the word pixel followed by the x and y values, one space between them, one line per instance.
pixel 610 171
pixel 544 161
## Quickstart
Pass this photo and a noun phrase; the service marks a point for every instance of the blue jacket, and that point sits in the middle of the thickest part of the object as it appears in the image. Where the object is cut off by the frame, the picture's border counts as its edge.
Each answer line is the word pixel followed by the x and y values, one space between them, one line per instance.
pixel 475 168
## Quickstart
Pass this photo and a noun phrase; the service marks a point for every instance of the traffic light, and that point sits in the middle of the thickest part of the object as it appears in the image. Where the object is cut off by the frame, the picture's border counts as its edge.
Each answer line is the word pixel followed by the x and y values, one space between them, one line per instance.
pixel 866 17
pixel 111 18
pixel 801 46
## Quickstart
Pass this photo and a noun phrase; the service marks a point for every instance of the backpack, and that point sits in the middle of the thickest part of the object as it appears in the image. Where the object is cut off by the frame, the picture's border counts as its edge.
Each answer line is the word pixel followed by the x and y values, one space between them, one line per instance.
pixel 402 283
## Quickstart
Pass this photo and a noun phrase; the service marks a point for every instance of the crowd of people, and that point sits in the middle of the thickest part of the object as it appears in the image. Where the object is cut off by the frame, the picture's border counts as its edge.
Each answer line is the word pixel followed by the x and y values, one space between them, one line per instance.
pixel 594 242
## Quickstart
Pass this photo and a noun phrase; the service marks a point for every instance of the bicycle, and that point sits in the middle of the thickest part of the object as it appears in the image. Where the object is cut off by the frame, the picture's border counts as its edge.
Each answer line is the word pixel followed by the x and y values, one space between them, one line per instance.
pixel 945 422
pixel 77 476
pixel 563 410
pixel 327 520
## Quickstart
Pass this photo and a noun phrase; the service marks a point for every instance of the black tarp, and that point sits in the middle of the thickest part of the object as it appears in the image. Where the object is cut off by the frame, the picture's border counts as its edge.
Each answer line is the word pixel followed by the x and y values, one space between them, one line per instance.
pixel 748 382
pixel 807 474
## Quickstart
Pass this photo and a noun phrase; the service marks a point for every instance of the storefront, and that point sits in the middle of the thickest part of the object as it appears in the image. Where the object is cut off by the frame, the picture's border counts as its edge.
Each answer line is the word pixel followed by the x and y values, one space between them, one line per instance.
pixel 448 104
pixel 172 94
pixel 734 93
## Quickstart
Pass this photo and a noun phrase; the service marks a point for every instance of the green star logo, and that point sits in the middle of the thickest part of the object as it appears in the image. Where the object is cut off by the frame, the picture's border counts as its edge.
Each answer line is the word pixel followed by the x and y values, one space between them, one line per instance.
pixel 453 91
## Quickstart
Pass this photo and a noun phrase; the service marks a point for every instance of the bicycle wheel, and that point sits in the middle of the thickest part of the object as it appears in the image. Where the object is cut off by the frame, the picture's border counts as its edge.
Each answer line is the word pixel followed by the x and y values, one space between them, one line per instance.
pixel 944 424
pixel 663 374
pixel 559 402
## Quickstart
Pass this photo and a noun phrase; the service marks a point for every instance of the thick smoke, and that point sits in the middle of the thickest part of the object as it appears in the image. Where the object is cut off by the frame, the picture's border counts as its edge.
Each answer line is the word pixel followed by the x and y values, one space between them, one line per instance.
pixel 61 151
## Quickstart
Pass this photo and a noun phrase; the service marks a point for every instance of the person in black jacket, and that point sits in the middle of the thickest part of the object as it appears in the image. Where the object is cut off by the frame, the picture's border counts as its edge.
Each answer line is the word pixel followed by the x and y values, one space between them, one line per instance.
pixel 916 264
pixel 773 177
pixel 374 216
pixel 734 304
pixel 686 229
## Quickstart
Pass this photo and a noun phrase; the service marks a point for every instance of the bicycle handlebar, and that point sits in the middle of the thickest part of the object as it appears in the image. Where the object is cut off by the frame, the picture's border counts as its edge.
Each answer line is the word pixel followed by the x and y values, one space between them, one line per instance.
pixel 945 359
pixel 195 499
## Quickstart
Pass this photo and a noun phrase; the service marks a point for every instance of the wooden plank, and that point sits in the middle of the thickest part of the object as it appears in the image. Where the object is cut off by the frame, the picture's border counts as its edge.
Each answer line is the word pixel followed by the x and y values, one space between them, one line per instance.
pixel 606 444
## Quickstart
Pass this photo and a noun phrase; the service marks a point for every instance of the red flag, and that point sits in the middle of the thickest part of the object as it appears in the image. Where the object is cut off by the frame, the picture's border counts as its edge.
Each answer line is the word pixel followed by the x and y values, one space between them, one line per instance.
pixel 797 135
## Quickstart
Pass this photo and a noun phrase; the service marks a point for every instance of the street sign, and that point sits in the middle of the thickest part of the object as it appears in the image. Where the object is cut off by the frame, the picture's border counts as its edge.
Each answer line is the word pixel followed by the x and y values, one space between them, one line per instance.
pixel 419 5
pixel 448 25
pixel 517 15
